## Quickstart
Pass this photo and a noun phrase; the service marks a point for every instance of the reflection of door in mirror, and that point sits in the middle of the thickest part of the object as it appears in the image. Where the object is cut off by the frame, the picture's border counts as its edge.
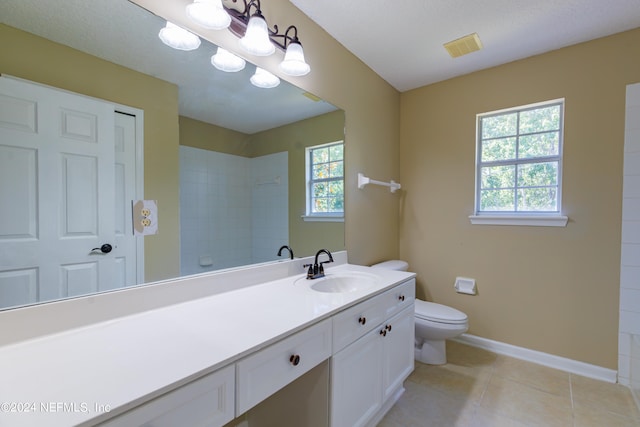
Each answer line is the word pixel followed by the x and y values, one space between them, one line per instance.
pixel 66 162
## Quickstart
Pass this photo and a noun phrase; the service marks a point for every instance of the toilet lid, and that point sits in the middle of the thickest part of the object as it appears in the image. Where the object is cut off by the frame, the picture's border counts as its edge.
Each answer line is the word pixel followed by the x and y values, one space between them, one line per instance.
pixel 439 313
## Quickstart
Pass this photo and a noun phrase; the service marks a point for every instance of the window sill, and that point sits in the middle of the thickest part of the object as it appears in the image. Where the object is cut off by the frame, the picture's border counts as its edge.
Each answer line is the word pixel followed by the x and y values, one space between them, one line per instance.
pixel 525 220
pixel 318 218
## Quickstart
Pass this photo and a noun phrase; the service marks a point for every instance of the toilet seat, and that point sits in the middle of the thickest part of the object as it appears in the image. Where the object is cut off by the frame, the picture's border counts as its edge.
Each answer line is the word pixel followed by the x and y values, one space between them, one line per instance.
pixel 439 313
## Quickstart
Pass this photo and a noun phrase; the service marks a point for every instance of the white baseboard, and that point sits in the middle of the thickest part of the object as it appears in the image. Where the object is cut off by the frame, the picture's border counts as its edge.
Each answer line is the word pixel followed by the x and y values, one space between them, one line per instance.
pixel 546 359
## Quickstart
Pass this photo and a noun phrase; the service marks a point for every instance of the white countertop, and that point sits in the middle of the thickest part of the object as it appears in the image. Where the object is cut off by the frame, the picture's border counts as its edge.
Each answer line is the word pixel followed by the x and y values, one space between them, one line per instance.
pixel 71 377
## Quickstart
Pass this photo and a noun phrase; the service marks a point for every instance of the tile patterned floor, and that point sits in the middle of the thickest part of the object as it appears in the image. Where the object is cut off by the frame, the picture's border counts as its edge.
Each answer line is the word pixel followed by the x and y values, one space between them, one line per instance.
pixel 477 388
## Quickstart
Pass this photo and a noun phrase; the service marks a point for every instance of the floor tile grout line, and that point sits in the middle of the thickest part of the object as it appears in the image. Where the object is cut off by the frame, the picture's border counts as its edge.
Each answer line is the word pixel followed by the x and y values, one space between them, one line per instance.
pixel 486 386
pixel 573 411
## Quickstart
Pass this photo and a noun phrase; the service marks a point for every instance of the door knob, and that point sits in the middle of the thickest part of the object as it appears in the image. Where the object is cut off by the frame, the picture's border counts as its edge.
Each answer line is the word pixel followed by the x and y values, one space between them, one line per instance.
pixel 105 249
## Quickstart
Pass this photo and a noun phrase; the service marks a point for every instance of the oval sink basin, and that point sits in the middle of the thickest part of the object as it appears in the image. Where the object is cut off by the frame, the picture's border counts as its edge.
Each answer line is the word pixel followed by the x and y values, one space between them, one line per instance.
pixel 341 282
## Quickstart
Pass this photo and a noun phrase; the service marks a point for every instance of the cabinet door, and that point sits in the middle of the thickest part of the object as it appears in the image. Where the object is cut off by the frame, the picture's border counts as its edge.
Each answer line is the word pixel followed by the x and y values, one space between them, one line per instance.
pixel 398 350
pixel 356 382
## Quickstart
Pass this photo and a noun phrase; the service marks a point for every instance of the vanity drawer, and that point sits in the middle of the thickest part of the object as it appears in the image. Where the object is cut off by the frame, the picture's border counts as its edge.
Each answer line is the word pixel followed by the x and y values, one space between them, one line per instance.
pixel 267 371
pixel 206 401
pixel 400 297
pixel 354 322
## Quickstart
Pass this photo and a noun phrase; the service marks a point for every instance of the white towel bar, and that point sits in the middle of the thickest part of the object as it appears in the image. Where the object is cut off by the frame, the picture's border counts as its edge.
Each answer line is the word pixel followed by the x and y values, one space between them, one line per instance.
pixel 363 180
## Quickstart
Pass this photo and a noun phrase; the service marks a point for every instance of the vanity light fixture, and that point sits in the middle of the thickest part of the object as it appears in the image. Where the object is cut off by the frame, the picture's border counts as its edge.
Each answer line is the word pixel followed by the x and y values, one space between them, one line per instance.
pixel 209 14
pixel 226 61
pixel 264 79
pixel 293 63
pixel 178 38
pixel 256 39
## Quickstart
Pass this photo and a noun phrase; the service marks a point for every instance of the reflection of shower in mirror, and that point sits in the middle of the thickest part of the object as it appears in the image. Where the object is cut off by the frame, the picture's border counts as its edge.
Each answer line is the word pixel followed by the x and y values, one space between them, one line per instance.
pixel 233 209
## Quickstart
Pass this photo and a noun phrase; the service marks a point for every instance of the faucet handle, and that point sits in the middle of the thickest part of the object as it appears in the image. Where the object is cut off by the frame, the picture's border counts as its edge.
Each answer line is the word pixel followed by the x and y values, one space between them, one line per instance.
pixel 309 271
pixel 321 267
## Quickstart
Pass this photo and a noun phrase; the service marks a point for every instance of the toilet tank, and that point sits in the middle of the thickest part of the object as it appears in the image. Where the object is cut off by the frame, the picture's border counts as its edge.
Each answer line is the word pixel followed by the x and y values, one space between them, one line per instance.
pixel 394 264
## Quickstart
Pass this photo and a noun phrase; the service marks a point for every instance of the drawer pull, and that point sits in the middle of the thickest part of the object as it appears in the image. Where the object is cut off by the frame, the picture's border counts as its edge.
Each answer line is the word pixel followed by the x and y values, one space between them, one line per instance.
pixel 383 332
pixel 362 320
pixel 401 297
pixel 388 328
pixel 294 359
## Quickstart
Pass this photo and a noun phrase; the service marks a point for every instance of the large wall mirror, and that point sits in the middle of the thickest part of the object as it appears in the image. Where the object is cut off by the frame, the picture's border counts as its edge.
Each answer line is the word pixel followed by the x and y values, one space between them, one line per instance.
pixel 237 151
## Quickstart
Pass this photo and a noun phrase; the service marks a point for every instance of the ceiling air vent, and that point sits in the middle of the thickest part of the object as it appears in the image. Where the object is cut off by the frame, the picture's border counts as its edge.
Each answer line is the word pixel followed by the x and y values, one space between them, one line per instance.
pixel 463 45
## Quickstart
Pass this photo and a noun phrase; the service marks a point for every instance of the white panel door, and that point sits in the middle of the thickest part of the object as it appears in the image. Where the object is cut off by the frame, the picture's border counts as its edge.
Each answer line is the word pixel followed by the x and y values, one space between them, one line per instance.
pixel 57 195
pixel 124 251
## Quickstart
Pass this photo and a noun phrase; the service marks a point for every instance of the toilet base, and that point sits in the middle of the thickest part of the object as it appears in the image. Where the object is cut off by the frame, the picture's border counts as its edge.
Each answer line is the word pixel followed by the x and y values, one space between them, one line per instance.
pixel 432 352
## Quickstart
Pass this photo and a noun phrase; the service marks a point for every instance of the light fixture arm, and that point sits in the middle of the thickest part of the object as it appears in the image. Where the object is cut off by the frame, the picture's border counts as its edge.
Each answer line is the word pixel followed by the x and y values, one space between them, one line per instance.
pixel 286 38
pixel 240 20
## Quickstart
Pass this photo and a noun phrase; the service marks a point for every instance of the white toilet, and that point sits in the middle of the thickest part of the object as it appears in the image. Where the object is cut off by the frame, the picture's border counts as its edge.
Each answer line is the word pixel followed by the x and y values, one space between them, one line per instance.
pixel 435 323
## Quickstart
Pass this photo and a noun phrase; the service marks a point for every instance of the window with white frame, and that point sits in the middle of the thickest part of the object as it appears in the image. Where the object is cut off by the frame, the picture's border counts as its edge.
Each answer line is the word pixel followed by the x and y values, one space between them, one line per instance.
pixel 325 181
pixel 519 162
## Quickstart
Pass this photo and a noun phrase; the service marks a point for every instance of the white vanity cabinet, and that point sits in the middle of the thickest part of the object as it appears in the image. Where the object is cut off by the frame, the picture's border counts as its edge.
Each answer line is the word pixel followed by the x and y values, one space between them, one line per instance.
pixel 367 374
pixel 208 401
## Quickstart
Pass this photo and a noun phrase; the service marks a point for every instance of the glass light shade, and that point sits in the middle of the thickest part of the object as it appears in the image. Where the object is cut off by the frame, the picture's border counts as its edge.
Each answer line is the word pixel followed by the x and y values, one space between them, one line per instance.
pixel 293 63
pixel 178 38
pixel 209 14
pixel 256 39
pixel 226 61
pixel 264 79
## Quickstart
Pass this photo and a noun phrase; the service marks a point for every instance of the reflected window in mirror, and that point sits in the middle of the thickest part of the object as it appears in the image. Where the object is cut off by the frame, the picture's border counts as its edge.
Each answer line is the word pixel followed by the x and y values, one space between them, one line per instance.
pixel 325 182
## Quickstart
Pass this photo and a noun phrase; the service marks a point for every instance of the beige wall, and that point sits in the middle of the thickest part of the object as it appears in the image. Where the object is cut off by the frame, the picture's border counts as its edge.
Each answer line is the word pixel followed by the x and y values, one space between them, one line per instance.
pixel 197 134
pixel 305 238
pixel 549 289
pixel 33 58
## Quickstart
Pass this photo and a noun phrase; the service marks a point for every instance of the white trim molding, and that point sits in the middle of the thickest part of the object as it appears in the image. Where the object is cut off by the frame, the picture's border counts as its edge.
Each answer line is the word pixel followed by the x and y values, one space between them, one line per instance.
pixel 533 220
pixel 321 218
pixel 545 359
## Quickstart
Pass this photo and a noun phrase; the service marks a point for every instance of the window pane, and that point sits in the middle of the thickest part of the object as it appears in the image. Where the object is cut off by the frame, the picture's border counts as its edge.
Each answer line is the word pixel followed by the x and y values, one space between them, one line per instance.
pixel 337 152
pixel 336 169
pixel 498 177
pixel 497 126
pixel 336 188
pixel 336 205
pixel 497 200
pixel 320 155
pixel 319 189
pixel 538 174
pixel 543 144
pixel 538 199
pixel 498 149
pixel 320 171
pixel 540 119
pixel 320 205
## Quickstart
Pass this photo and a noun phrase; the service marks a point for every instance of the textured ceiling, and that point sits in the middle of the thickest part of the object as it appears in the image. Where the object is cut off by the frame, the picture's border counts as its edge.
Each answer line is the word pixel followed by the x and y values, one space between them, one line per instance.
pixel 402 40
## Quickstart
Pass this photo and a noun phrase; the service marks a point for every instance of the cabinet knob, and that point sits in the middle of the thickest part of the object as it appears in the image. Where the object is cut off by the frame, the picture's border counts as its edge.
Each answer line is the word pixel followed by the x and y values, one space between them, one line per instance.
pixel 362 320
pixel 294 359
pixel 388 328
pixel 401 297
pixel 383 332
